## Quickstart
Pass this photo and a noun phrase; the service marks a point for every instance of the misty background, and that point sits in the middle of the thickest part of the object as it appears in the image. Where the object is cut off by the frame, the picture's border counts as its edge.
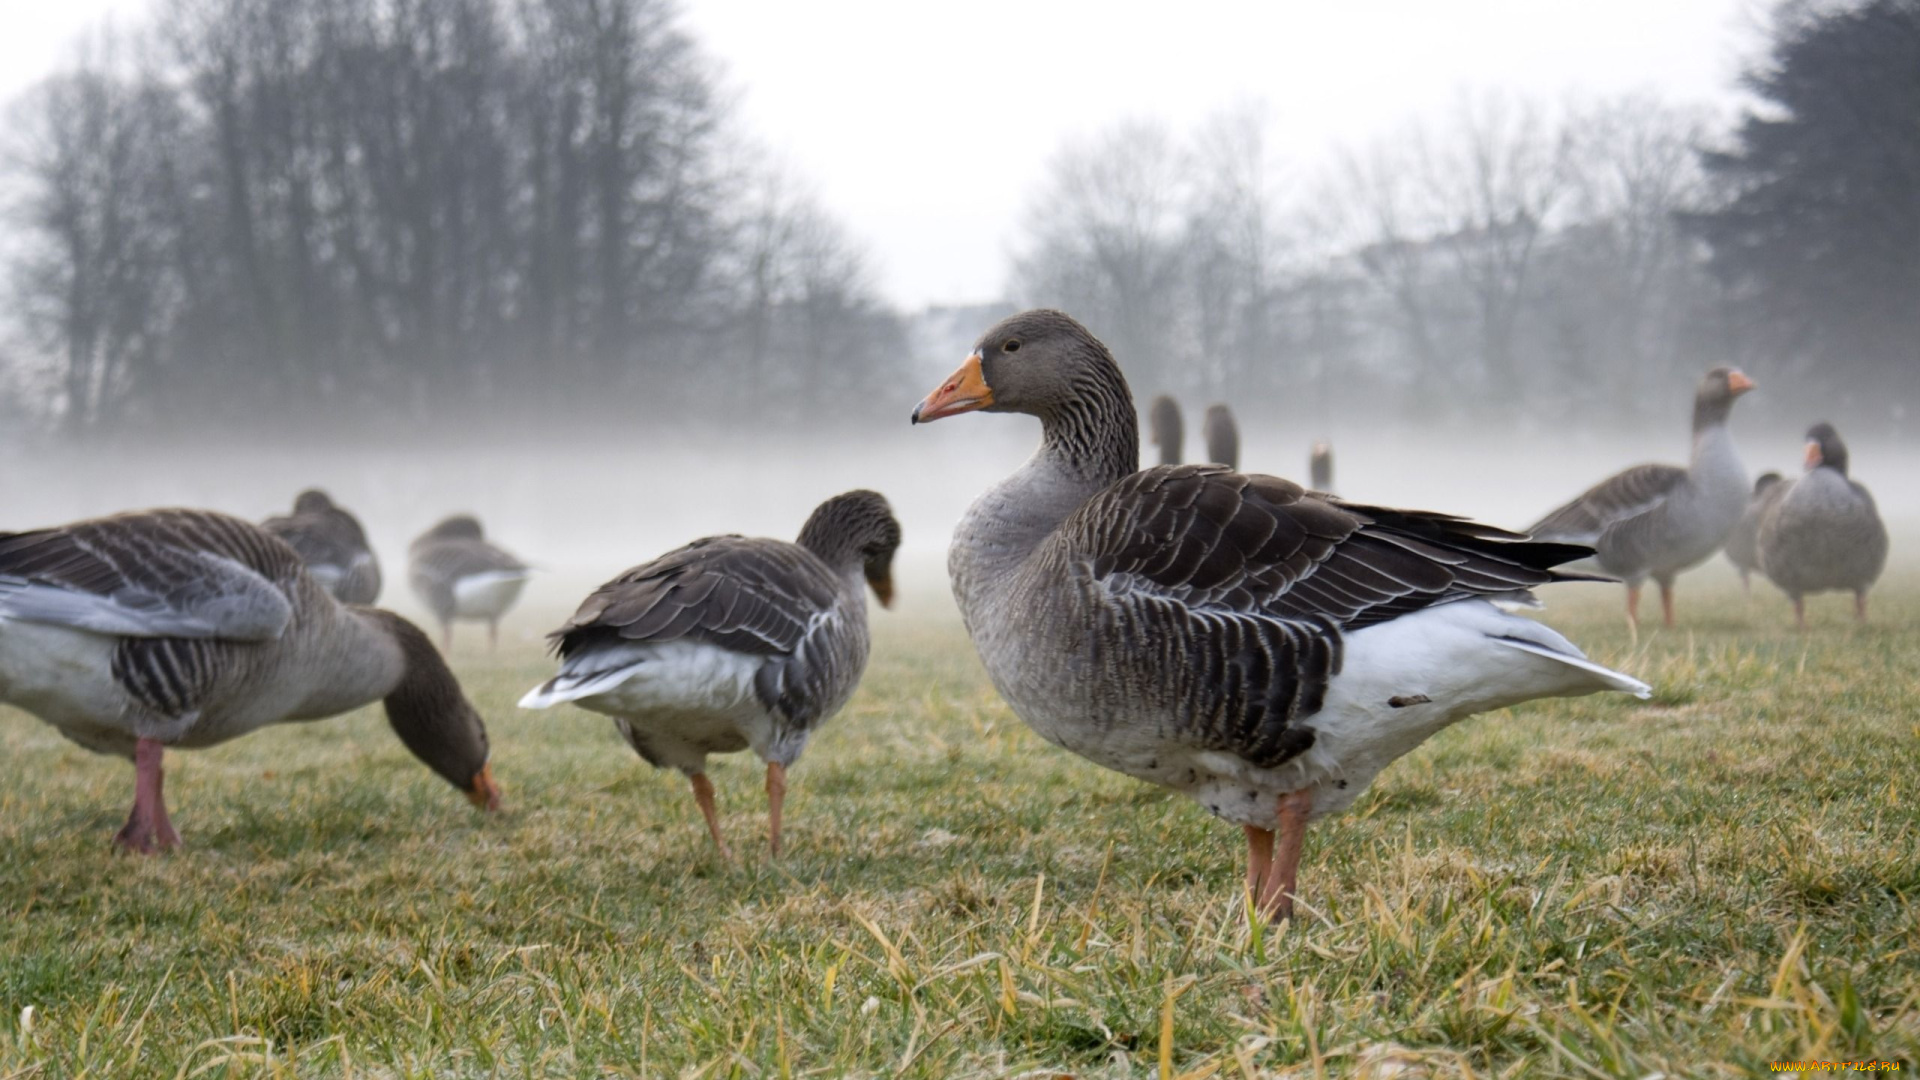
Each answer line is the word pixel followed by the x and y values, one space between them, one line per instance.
pixel 526 258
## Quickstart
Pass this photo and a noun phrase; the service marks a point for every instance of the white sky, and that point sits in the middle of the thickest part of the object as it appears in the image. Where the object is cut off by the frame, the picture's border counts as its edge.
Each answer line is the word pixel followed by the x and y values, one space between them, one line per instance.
pixel 925 124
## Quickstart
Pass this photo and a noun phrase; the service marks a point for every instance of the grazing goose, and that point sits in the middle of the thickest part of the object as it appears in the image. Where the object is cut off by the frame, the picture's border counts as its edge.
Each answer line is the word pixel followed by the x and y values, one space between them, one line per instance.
pixel 1743 542
pixel 1823 531
pixel 1320 466
pixel 332 544
pixel 731 643
pixel 1168 430
pixel 1657 520
pixel 458 575
pixel 186 628
pixel 1222 437
pixel 1260 649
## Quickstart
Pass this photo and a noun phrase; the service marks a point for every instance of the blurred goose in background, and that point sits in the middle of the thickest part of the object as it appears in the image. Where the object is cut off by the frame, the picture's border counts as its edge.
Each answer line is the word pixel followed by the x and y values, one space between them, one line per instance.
pixel 1168 431
pixel 186 628
pixel 1222 436
pixel 1823 532
pixel 1263 650
pixel 458 575
pixel 332 544
pixel 1320 465
pixel 731 643
pixel 1743 542
pixel 1657 520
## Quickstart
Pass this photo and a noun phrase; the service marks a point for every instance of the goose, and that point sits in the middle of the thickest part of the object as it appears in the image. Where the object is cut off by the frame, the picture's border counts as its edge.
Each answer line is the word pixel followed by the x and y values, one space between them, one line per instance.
pixel 1222 436
pixel 458 575
pixel 1261 649
pixel 185 628
pixel 1743 541
pixel 1320 466
pixel 731 643
pixel 1168 430
pixel 1823 531
pixel 332 544
pixel 1657 520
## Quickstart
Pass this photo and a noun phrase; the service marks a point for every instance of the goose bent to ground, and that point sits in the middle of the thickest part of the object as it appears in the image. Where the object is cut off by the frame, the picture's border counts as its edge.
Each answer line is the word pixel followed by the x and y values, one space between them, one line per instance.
pixel 459 575
pixel 1222 436
pixel 1657 520
pixel 731 643
pixel 1743 542
pixel 1168 431
pixel 1320 466
pixel 1823 531
pixel 186 628
pixel 332 544
pixel 1261 649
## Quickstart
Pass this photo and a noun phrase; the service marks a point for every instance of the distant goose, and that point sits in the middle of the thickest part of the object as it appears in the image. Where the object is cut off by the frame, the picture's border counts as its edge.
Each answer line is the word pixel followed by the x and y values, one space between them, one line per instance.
pixel 1743 542
pixel 1168 430
pixel 332 544
pixel 1222 436
pixel 1262 650
pixel 731 643
pixel 1823 531
pixel 1320 465
pixel 458 575
pixel 186 628
pixel 1657 520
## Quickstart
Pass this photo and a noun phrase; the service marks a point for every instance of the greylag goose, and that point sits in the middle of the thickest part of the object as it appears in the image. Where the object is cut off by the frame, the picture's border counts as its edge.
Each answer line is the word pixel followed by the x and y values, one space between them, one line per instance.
pixel 1657 520
pixel 1261 649
pixel 1743 542
pixel 1222 436
pixel 731 643
pixel 1320 465
pixel 1823 531
pixel 186 628
pixel 1169 432
pixel 332 544
pixel 459 575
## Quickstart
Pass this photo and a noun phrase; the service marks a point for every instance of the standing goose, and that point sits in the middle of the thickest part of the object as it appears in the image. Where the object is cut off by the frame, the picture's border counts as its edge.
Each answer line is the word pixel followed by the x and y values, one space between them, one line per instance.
pixel 1657 520
pixel 1168 431
pixel 332 544
pixel 187 628
pixel 731 643
pixel 1823 531
pixel 1262 650
pixel 458 575
pixel 1222 436
pixel 1743 542
pixel 1320 465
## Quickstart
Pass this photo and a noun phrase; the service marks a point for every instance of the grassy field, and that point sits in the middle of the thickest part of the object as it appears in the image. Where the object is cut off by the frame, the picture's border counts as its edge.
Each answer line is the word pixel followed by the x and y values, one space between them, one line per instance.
pixel 1693 886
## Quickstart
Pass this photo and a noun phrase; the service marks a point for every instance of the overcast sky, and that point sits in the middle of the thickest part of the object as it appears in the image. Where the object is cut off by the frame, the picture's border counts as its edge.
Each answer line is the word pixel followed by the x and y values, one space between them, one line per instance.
pixel 924 125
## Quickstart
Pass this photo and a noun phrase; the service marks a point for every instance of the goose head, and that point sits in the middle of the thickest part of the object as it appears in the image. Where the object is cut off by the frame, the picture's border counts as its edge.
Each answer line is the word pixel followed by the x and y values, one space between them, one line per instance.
pixel 1038 362
pixel 434 718
pixel 312 501
pixel 856 527
pixel 457 527
pixel 1825 449
pixel 1764 481
pixel 1715 396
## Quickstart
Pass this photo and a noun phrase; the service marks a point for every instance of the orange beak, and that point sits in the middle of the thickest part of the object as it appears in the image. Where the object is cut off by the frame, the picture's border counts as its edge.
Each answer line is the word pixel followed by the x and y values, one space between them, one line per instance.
pixel 484 793
pixel 1738 382
pixel 964 391
pixel 1815 458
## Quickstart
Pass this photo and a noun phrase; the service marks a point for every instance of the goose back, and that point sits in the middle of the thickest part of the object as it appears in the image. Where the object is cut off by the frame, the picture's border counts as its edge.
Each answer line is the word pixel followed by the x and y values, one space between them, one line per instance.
pixel 333 545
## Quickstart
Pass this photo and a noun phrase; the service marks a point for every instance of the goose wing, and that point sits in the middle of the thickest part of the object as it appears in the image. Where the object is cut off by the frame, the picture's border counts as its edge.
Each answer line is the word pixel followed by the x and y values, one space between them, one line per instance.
pixel 1619 498
pixel 335 549
pixel 1239 588
pixel 161 573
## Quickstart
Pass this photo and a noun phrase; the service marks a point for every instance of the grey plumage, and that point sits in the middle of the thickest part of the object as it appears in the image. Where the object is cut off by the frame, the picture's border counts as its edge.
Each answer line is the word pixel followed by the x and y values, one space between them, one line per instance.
pixel 458 574
pixel 1743 542
pixel 1167 430
pixel 186 628
pixel 1823 532
pixel 332 544
pixel 1658 520
pixel 1222 436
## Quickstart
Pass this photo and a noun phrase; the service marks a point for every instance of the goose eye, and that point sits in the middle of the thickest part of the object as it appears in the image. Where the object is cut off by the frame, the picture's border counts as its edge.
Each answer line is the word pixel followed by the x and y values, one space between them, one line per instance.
pixel 1011 346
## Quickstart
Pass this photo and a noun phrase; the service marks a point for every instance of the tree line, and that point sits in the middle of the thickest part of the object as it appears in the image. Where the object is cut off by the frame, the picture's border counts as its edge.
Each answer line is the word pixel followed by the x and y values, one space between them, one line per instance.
pixel 428 213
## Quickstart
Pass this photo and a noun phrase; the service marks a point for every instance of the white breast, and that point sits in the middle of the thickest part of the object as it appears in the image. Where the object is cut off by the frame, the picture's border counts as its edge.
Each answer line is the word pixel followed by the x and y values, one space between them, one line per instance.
pixel 487 595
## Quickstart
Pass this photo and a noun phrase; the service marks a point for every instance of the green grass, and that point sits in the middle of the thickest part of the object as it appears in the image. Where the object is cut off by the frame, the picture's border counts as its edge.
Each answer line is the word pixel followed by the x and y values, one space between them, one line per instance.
pixel 1692 887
